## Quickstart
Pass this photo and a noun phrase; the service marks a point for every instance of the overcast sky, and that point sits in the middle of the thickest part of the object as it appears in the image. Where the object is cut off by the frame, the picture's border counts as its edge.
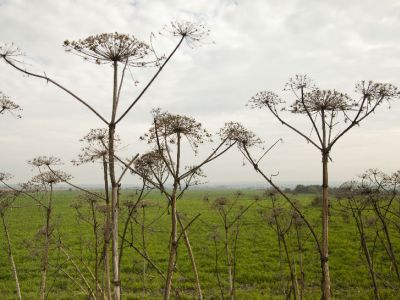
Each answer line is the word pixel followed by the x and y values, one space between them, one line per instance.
pixel 253 45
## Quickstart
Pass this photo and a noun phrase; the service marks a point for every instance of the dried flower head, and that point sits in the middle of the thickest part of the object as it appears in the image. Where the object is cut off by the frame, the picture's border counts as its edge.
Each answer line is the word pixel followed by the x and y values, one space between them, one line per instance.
pixel 51 177
pixel 10 52
pixel 5 176
pixel 394 179
pixel 376 92
pixel 7 105
pixel 238 194
pixel 148 164
pixel 273 214
pixel 93 198
pixel 265 99
pixel 96 135
pixel 297 219
pixel 372 186
pixel 145 203
pixel 193 33
pixel 96 148
pixel 376 185
pixel 371 221
pixel 167 127
pixel 221 202
pixel 270 193
pixel 257 197
pixel 131 205
pixel 76 204
pixel 31 187
pixel 41 161
pixel 299 82
pixel 323 100
pixel 110 48
pixel 234 132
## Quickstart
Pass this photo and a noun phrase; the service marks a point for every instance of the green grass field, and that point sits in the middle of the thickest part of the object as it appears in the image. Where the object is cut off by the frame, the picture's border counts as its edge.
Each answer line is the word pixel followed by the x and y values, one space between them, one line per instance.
pixel 259 272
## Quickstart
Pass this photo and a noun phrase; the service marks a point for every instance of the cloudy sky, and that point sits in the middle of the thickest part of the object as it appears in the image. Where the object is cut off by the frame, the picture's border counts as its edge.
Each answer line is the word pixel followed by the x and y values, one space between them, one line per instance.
pixel 253 45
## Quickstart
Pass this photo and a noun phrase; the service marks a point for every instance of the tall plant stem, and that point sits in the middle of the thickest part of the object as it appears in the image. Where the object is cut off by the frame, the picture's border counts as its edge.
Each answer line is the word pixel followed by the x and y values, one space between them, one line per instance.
pixel 326 281
pixel 192 260
pixel 143 233
pixel 173 249
pixel 300 257
pixel 45 258
pixel 389 246
pixel 229 262
pixel 174 223
pixel 107 232
pixel 96 247
pixel 11 257
pixel 114 190
pixel 360 227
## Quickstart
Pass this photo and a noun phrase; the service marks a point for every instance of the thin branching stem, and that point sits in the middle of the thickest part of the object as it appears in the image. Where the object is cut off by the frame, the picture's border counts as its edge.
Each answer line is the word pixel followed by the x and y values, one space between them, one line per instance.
pixel 56 84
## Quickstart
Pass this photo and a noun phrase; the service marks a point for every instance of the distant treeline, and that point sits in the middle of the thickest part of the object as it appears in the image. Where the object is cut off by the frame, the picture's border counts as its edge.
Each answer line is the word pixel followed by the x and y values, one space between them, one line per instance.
pixel 308 189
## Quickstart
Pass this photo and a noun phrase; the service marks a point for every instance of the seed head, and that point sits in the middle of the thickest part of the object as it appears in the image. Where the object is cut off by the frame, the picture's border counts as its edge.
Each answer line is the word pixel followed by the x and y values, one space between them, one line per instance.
pixel 41 161
pixel 7 105
pixel 168 126
pixel 10 52
pixel 51 177
pixel 109 48
pixel 376 92
pixel 234 132
pixel 5 176
pixel 299 82
pixel 149 163
pixel 96 146
pixel 221 202
pixel 323 100
pixel 265 99
pixel 193 33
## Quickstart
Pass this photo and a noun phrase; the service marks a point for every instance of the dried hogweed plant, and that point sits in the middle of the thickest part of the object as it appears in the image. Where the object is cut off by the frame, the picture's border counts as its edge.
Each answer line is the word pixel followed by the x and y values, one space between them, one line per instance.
pixel 283 220
pixel 231 213
pixel 164 168
pixel 122 51
pixel 330 114
pixel 371 202
pixel 41 189
pixel 96 151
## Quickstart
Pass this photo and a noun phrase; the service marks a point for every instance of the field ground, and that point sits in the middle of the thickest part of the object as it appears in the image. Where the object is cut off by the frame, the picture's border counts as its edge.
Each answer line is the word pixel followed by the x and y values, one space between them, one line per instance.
pixel 259 273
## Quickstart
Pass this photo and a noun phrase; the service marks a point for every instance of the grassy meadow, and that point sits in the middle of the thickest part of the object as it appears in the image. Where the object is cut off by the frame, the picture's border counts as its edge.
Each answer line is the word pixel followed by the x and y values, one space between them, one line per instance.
pixel 260 273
